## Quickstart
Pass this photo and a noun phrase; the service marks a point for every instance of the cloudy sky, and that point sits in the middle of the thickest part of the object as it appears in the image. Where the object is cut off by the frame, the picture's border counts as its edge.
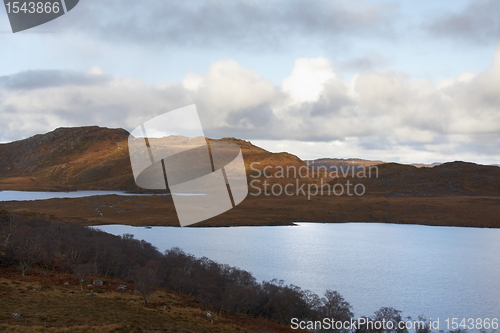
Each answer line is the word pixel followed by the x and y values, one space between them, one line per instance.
pixel 409 81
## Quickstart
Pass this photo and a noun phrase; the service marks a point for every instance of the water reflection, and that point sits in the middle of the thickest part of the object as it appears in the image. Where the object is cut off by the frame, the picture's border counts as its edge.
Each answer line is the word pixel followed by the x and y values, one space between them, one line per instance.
pixel 442 272
pixel 29 195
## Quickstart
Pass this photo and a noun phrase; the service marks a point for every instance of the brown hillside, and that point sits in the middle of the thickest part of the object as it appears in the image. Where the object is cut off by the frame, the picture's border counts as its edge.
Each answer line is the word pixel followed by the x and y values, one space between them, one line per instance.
pixel 68 158
pixel 454 178
pixel 91 158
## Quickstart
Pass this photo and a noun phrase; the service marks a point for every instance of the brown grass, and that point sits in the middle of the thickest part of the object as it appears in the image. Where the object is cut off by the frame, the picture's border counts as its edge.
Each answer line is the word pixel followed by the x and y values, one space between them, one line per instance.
pixel 472 211
pixel 47 304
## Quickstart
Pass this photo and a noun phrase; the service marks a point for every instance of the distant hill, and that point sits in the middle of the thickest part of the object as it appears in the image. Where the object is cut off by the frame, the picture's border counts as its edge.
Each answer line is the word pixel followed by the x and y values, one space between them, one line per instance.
pixel 342 163
pixel 358 162
pixel 453 178
pixel 424 165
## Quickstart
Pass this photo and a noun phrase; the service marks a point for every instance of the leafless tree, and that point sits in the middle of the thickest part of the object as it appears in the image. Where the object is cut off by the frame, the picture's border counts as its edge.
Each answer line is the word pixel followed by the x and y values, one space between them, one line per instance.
pixel 146 280
pixel 83 272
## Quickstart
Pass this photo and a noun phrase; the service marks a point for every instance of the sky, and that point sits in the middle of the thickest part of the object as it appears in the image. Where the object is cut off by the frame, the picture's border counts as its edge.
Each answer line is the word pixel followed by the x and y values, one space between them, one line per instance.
pixel 409 81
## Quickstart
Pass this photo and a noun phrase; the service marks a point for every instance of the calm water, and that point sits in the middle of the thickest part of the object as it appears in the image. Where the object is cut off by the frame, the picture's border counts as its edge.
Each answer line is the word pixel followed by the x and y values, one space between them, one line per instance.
pixel 441 272
pixel 27 195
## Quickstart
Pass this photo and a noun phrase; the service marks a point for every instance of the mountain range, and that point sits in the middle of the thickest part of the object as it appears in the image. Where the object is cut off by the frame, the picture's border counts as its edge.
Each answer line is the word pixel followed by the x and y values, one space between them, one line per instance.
pixel 97 158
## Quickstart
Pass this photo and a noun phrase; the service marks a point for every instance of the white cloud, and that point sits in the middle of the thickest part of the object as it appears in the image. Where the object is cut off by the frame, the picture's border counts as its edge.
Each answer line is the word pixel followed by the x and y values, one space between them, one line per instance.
pixel 228 95
pixel 308 79
pixel 192 81
pixel 96 71
pixel 377 114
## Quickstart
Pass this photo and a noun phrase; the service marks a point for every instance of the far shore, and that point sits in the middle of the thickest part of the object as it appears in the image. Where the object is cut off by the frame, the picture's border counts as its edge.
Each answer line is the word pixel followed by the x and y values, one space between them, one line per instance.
pixel 140 210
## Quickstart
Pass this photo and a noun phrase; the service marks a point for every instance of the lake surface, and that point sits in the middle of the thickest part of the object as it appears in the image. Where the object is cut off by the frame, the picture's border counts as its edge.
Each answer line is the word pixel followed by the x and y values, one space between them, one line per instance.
pixel 441 272
pixel 28 195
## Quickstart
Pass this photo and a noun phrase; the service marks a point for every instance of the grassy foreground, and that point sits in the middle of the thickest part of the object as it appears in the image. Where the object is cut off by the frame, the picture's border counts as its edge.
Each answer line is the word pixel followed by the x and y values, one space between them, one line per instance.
pixel 54 302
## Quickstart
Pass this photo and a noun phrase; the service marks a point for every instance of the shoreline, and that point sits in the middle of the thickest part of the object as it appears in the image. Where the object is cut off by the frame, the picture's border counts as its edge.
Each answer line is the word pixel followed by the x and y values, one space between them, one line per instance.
pixel 291 224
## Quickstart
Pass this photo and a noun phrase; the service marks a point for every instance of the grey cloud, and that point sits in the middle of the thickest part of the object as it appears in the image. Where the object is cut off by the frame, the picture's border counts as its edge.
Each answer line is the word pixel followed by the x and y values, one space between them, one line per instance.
pixel 363 63
pixel 257 25
pixel 492 148
pixel 479 22
pixel 38 79
pixel 101 114
pixel 8 109
pixel 258 117
pixel 375 143
pixel 332 101
pixel 329 106
pixel 250 123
